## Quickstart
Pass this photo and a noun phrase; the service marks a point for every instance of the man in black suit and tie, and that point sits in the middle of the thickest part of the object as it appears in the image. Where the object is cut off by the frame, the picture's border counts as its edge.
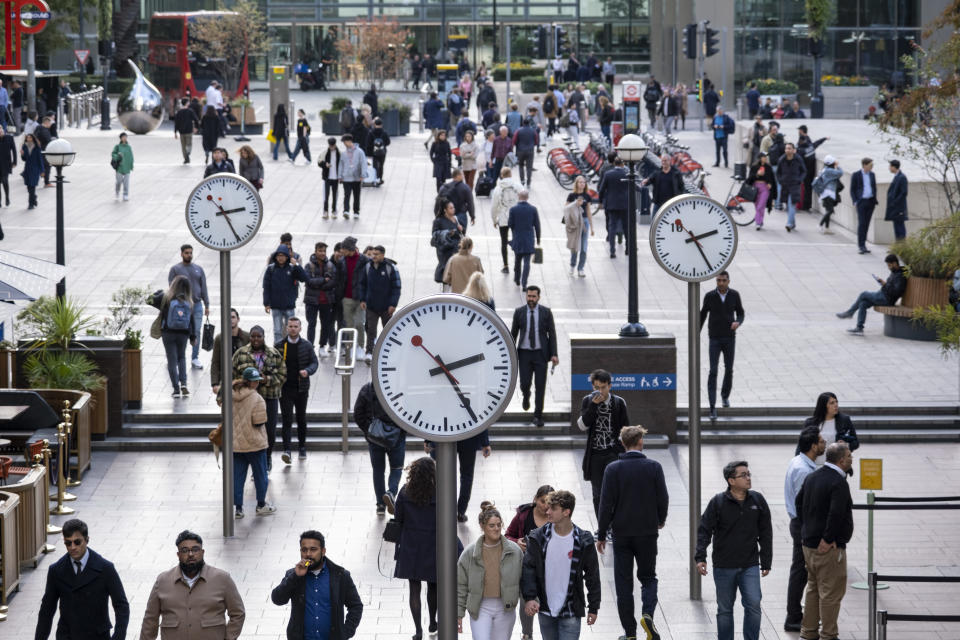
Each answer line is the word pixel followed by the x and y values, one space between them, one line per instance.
pixel 897 201
pixel 536 338
pixel 825 510
pixel 82 581
pixel 863 188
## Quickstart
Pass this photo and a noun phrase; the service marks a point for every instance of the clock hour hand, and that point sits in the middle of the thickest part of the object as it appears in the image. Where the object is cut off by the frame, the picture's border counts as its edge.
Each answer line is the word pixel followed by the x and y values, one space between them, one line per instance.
pixel 694 238
pixel 223 213
pixel 417 341
pixel 457 364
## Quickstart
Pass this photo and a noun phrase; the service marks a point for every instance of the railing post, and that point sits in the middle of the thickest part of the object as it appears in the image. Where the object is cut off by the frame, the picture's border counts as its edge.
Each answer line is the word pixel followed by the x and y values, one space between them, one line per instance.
pixel 881 622
pixel 872 605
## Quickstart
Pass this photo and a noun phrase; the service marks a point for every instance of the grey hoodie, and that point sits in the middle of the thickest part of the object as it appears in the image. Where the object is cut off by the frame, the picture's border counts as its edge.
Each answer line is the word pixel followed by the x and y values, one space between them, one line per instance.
pixel 352 164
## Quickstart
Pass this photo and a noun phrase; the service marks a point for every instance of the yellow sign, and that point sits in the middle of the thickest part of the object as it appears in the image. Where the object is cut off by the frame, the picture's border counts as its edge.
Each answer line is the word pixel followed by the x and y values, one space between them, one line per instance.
pixel 279 70
pixel 871 474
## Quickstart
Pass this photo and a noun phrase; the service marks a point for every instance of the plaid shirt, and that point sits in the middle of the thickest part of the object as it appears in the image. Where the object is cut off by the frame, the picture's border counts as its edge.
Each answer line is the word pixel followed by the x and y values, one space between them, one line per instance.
pixel 274 371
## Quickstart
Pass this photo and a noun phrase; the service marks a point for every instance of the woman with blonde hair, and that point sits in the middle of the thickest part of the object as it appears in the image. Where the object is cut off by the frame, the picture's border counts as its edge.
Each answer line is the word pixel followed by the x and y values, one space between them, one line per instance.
pixel 478 289
pixel 578 223
pixel 461 266
pixel 251 167
pixel 488 580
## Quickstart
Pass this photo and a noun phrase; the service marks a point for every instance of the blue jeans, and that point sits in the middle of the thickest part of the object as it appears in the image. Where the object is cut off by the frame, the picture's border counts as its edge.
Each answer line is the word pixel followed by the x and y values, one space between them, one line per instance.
pixel 276 145
pixel 727 582
pixel 175 346
pixel 378 458
pixel 280 317
pixel 584 236
pixel 605 130
pixel 865 300
pixel 257 461
pixel 791 211
pixel 616 224
pixel 559 628
pixel 626 549
pixel 198 325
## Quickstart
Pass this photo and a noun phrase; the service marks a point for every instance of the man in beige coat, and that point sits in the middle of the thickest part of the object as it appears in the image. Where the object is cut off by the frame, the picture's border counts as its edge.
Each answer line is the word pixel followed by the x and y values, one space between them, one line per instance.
pixel 250 442
pixel 188 602
pixel 461 266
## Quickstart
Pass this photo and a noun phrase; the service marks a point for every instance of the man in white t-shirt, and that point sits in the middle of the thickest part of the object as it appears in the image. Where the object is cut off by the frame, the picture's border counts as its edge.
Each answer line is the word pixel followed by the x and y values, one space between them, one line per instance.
pixel 559 558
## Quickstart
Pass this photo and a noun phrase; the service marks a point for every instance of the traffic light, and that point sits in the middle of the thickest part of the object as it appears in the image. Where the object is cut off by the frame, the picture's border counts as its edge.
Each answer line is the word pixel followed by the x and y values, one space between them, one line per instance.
pixel 563 42
pixel 711 41
pixel 541 42
pixel 690 41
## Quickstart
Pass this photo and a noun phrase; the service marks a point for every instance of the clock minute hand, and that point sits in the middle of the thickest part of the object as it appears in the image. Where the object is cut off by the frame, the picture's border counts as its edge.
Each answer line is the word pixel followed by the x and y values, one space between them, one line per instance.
pixel 457 364
pixel 230 224
pixel 694 239
pixel 702 236
pixel 223 213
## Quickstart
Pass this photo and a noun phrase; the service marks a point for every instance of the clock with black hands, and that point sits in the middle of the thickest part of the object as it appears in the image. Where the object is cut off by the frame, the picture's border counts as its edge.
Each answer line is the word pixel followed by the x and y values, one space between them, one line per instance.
pixel 224 211
pixel 693 237
pixel 445 367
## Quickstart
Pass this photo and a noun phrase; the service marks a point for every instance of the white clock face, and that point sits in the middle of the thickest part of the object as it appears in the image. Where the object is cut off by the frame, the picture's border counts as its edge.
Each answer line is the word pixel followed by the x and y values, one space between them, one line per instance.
pixel 693 237
pixel 445 367
pixel 224 211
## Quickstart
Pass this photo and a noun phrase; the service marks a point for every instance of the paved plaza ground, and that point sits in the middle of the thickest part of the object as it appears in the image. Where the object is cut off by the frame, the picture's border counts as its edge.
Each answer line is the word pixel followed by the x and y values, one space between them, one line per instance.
pixel 791 348
pixel 136 503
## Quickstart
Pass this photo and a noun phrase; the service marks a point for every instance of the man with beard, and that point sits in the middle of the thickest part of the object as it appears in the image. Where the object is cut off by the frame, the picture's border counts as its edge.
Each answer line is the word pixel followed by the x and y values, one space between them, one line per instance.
pixel 188 599
pixel 319 591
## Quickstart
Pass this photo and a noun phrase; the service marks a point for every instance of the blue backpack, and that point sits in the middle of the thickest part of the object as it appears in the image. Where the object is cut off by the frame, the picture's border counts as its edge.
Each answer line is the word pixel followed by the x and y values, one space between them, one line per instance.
pixel 178 315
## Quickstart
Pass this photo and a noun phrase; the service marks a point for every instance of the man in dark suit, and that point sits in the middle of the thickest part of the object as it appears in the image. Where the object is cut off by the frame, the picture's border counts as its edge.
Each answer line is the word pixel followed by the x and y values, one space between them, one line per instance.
pixel 536 337
pixel 897 201
pixel 726 315
pixel 8 160
pixel 82 581
pixel 523 220
pixel 863 188
pixel 825 509
pixel 613 194
pixel 667 183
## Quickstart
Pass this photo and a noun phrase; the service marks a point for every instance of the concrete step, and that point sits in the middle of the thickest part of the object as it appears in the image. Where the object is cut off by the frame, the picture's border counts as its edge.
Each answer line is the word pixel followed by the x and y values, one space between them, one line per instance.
pixel 330 429
pixel 138 416
pixel 795 423
pixel 858 412
pixel 765 436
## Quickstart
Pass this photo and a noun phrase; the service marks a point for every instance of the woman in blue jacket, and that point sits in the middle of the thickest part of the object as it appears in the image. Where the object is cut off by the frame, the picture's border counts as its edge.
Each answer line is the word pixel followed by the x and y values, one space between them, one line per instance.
pixel 32 167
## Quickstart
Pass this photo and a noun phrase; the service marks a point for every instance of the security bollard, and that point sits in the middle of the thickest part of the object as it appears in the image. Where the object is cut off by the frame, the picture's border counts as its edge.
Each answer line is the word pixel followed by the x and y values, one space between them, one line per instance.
pixel 60 496
pixel 68 419
pixel 881 621
pixel 344 364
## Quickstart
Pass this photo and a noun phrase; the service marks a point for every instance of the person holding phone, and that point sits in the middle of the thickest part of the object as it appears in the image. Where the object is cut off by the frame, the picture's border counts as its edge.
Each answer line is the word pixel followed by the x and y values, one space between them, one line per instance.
pixel 891 290
pixel 602 416
pixel 578 223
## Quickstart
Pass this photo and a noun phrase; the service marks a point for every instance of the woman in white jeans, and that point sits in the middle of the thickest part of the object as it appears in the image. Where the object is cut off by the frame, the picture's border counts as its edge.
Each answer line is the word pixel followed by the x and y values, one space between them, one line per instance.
pixel 488 580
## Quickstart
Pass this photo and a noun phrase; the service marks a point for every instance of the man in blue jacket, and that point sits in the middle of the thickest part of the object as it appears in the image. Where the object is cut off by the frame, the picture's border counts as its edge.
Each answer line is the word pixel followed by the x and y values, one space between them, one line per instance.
pixel 378 293
pixel 524 223
pixel 525 141
pixel 723 126
pixel 613 193
pixel 633 502
pixel 433 117
pixel 280 289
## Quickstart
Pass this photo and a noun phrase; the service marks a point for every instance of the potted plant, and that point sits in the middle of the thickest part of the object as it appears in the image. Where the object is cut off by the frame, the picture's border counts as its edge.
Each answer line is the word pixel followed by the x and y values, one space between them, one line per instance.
pixel 125 306
pixel 395 116
pixel 847 96
pixel 931 256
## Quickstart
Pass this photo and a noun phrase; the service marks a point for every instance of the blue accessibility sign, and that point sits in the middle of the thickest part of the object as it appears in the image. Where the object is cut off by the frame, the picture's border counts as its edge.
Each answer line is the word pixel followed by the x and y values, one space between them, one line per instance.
pixel 629 382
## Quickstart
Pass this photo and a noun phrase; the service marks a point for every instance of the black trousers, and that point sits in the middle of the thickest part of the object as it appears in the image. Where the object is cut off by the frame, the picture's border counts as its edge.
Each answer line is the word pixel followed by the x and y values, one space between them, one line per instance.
pixel 330 187
pixel 598 464
pixel 354 188
pixel 798 576
pixel 291 400
pixel 533 367
pixel 372 318
pixel 626 551
pixel 467 457
pixel 721 145
pixel 504 242
pixel 273 407
pixel 726 346
pixel 864 214
pixel 378 163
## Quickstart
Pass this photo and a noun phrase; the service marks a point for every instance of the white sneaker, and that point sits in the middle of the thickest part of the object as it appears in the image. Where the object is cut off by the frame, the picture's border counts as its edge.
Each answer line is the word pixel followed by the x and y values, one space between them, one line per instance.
pixel 197 364
pixel 368 358
pixel 581 274
pixel 359 353
pixel 326 349
pixel 266 510
pixel 346 215
pixel 125 198
pixel 572 269
pixel 828 231
pixel 822 230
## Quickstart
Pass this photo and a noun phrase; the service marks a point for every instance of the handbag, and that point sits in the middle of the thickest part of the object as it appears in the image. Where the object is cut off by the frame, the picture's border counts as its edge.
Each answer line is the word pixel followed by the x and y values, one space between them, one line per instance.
pixel 748 192
pixel 216 435
pixel 270 137
pixel 156 328
pixel 538 255
pixel 391 531
pixel 384 435
pixel 206 339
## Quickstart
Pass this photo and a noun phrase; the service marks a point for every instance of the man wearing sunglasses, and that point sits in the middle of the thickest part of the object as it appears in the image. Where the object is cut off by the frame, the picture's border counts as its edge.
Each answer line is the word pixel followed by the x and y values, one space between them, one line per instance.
pixel 82 581
pixel 190 600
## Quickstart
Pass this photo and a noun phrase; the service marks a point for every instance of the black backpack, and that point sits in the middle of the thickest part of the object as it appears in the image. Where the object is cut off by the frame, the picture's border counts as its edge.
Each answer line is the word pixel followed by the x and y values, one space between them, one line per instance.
pixel 549 103
pixel 347 118
pixel 379 149
pixel 776 150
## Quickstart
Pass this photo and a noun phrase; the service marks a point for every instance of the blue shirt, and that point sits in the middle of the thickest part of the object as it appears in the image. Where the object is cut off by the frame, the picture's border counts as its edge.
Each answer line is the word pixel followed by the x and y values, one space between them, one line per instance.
pixel 317 615
pixel 4 97
pixel 719 134
pixel 800 467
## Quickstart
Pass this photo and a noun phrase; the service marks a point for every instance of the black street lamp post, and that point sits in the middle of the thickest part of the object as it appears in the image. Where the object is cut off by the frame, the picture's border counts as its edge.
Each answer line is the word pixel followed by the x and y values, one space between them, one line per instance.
pixel 632 150
pixel 60 154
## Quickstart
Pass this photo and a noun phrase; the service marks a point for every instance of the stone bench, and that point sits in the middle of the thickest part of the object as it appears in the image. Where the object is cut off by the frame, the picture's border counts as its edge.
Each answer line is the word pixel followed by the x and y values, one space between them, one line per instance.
pixel 898 319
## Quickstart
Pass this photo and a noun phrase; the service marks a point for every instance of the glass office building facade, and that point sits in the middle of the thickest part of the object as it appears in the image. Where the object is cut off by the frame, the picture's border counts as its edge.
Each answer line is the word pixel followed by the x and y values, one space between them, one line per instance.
pixel 868 38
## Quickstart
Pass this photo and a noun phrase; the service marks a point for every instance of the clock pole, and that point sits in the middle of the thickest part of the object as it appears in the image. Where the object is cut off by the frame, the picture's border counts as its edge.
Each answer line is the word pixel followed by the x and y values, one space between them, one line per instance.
pixel 693 417
pixel 447 540
pixel 226 388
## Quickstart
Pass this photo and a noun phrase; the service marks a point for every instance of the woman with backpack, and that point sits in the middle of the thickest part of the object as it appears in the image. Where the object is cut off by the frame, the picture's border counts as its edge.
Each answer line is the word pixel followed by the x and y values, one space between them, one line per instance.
pixel 177 327
pixel 550 110
pixel 827 186
pixel 387 444
pixel 209 132
pixel 440 156
pixel 280 131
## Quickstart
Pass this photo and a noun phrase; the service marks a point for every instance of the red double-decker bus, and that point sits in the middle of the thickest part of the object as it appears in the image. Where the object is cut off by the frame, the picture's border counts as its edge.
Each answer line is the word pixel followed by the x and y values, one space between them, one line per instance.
pixel 172 66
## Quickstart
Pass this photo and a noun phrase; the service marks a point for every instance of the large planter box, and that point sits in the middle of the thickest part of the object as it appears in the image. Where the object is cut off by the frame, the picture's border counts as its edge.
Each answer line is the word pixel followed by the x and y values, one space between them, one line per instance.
pixel 132 378
pixel 391 122
pixel 331 124
pixel 847 102
pixel 405 126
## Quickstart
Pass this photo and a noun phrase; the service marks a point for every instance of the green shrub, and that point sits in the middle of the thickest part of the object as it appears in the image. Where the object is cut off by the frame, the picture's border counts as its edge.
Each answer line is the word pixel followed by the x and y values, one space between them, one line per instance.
pixel 934 251
pixel 533 85
pixel 338 103
pixel 775 86
pixel 517 73
pixel 844 81
pixel 385 104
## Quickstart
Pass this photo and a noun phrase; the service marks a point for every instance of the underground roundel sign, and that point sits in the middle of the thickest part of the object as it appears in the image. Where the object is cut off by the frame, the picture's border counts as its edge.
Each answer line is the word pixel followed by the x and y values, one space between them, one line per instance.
pixel 33 15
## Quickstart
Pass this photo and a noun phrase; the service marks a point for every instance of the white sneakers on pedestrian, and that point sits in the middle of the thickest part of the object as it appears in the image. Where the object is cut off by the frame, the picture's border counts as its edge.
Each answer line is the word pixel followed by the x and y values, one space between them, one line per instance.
pixel 346 215
pixel 196 363
pixel 581 274
pixel 572 269
pixel 266 510
pixel 368 358
pixel 358 353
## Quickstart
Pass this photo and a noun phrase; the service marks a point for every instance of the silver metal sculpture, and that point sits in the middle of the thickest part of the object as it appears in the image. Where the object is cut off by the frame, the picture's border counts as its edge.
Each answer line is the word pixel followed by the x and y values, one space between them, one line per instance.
pixel 140 108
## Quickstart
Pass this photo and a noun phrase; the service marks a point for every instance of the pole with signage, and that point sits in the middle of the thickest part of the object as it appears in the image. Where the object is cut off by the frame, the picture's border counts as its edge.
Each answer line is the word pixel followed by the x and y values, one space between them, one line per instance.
pixel 224 212
pixel 871 479
pixel 444 369
pixel 693 238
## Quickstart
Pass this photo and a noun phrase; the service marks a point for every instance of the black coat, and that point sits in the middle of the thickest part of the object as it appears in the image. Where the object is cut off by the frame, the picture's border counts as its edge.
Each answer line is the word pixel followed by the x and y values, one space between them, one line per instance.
pixel 663 191
pixel 440 157
pixel 896 197
pixel 825 508
pixel 185 121
pixel 736 529
pixel 856 186
pixel 83 601
pixel 321 282
pixel 330 158
pixel 722 313
pixel 354 277
pixel 895 286
pixel 370 98
pixel 634 497
pixel 532 583
pixel 613 190
pixel 845 431
pixel 547 332
pixel 791 174
pixel 588 421
pixel 8 155
pixel 343 595
pixel 306 360
pixel 416 552
pixel 210 132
